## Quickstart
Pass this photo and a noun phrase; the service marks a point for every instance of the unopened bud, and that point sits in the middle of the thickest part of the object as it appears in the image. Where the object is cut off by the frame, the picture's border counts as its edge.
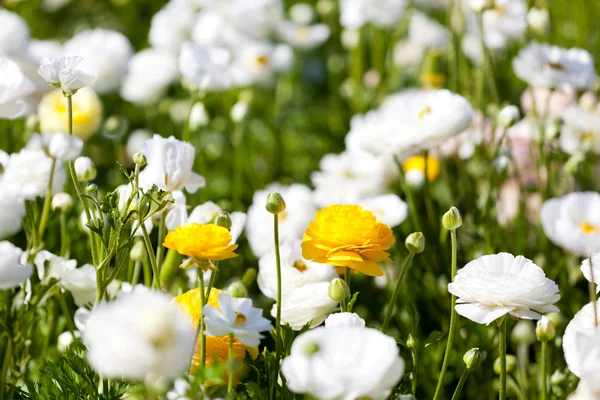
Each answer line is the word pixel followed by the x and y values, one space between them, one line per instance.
pixel 311 348
pixel 411 342
pixel 511 363
pixel 140 159
pixel 239 111
pixel 275 203
pixel 558 378
pixel 224 220
pixel 544 329
pixel 415 242
pixel 198 116
pixel 62 202
pixel 138 252
pixel 85 169
pixel 91 188
pixel 538 20
pixel 523 332
pixel 338 290
pixel 249 277
pixel 472 358
pixel 237 289
pixel 452 219
pixel 508 116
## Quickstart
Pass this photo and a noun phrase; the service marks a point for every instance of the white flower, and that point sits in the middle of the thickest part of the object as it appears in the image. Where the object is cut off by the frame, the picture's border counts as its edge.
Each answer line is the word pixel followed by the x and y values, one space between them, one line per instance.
pixel 581 130
pixel 543 65
pixel 292 222
pixel 407 54
pixel 14 87
pixel 12 271
pixel 58 145
pixel 410 121
pixel 538 20
pixel 65 339
pixel 303 36
pixel 344 319
pixel 140 335
pixel 388 208
pixel 81 282
pixel 170 163
pixel 582 324
pixel 135 141
pixel 151 71
pixel 70 73
pixel 480 5
pixel 14 34
pixel 204 67
pixel 27 175
pixel 170 27
pixel 12 211
pixel 588 356
pixel 85 169
pixel 62 201
pixel 50 266
pixel 237 316
pixel 40 49
pixel 382 13
pixel 428 32
pixel 591 266
pixel 573 222
pixel 495 285
pixel 306 304
pixel 464 144
pixel 206 214
pixel 302 13
pixel 345 362
pixel 258 62
pixel 502 23
pixel 295 270
pixel 109 50
pixel 508 116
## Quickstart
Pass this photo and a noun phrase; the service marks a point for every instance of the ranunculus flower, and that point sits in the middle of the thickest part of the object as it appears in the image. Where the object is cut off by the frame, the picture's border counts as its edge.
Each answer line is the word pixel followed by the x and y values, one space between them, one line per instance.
pixel 12 271
pixel 87 113
pixel 14 86
pixel 69 73
pixel 201 242
pixel 309 303
pixel 583 323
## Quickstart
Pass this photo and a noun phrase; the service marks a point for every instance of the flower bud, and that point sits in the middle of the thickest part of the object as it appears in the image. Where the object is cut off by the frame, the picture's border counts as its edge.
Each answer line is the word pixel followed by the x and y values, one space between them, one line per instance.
pixel 544 329
pixel 239 111
pixel 138 252
pixel 350 38
pixel 452 219
pixel 538 20
pixel 311 348
pixel 198 116
pixel 511 363
pixel 411 342
pixel 85 169
pixel 249 277
pixel 139 159
pixel 302 13
pixel 237 289
pixel 415 242
pixel 472 358
pixel 338 290
pixel 558 378
pixel 508 116
pixel 224 220
pixel 523 332
pixel 91 188
pixel 275 203
pixel 62 201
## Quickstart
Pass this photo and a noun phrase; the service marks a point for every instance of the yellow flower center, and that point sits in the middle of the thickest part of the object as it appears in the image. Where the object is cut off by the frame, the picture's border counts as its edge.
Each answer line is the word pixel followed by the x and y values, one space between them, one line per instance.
pixel 348 174
pixel 556 66
pixel 500 10
pixel 588 228
pixel 262 60
pixel 424 112
pixel 587 137
pixel 300 266
pixel 239 318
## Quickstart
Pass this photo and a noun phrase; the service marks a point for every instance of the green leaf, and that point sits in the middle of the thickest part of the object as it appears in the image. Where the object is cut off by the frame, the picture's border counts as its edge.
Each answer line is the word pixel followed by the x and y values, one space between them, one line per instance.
pixel 352 301
pixel 433 337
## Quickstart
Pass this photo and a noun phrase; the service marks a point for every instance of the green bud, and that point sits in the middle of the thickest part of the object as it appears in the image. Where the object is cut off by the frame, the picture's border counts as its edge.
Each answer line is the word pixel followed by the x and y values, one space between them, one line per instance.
pixel 511 363
pixel 249 277
pixel 472 358
pixel 139 159
pixel 338 290
pixel 138 251
pixel 452 219
pixel 275 203
pixel 311 348
pixel 62 202
pixel 544 329
pixel 91 188
pixel 237 289
pixel 523 332
pixel 223 219
pixel 411 342
pixel 558 378
pixel 415 242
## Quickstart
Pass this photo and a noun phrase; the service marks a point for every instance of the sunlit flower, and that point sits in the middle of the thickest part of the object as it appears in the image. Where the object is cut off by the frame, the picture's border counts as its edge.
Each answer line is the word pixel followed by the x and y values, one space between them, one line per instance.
pixel 348 236
pixel 319 362
pixel 344 319
pixel 303 36
pixel 51 266
pixel 57 145
pixel 388 208
pixel 573 222
pixel 205 68
pixel 85 170
pixel 201 242
pixel 87 113
pixel 81 283
pixel 307 304
pixel 12 271
pixel 428 32
pixel 141 334
pixel 543 65
pixel 382 13
pixel 171 25
pixel 14 86
pixel 414 169
pixel 495 285
pixel 143 85
pixel 12 210
pixel 258 62
pixel 14 34
pixel 581 130
pixel 591 266
pixel 582 324
pixel 69 73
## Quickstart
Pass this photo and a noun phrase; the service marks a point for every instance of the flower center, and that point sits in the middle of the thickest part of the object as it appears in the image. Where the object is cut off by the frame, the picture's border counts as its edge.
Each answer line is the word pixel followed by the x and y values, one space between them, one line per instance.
pixel 239 318
pixel 587 137
pixel 556 66
pixel 500 10
pixel 262 61
pixel 348 174
pixel 300 266
pixel 424 112
pixel 588 228
pixel 301 35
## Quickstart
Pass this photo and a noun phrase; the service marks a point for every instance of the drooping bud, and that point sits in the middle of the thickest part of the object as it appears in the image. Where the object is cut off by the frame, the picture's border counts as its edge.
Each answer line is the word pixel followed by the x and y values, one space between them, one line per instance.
pixel 452 219
pixel 415 242
pixel 138 252
pixel 85 169
pixel 544 329
pixel 237 289
pixel 472 358
pixel 62 202
pixel 511 363
pixel 139 159
pixel 338 290
pixel 224 220
pixel 275 203
pixel 508 116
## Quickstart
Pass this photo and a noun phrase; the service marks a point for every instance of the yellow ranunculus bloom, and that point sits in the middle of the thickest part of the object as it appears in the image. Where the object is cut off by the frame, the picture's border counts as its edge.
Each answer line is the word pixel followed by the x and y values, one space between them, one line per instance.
pixel 217 347
pixel 348 236
pixel 201 242
pixel 418 162
pixel 87 112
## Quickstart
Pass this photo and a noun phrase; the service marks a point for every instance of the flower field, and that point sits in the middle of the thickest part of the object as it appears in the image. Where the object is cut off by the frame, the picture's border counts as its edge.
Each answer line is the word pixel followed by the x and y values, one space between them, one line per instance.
pixel 315 199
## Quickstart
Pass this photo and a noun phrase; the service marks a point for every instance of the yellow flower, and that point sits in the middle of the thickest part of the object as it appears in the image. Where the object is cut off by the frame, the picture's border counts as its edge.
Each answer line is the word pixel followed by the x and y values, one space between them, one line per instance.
pixel 201 242
pixel 348 236
pixel 217 347
pixel 418 163
pixel 87 112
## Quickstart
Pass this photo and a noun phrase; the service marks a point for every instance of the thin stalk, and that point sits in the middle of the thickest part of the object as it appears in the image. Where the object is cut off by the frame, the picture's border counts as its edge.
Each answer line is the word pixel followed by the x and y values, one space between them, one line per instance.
pixel 278 315
pixel 64 236
pixel 230 362
pixel 592 293
pixel 136 273
pixel 461 383
pixel 502 349
pixel 150 251
pixel 65 310
pixel 392 303
pixel 356 72
pixel 378 49
pixel 47 202
pixel 160 251
pixel 453 319
pixel 412 208
pixel 5 367
pixel 200 330
pixel 415 358
pixel 211 281
pixel 238 159
pixel 544 385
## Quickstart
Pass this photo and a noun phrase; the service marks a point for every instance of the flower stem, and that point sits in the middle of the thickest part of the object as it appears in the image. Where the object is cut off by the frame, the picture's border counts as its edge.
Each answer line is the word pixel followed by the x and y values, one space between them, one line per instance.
pixel 160 251
pixel 5 366
pixel 65 310
pixel 64 236
pixel 356 73
pixel 230 362
pixel 544 387
pixel 278 315
pixel 47 202
pixel 502 348
pixel 150 251
pixel 461 383
pixel 592 292
pixel 392 303
pixel 200 330
pixel 453 319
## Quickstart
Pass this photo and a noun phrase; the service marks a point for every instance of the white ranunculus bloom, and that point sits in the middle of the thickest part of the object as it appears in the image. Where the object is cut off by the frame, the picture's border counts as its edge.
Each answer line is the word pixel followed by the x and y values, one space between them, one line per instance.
pixel 141 334
pixel 258 62
pixel 303 36
pixel 581 130
pixel 237 316
pixel 573 222
pixel 295 270
pixel 27 175
pixel 428 32
pixel 109 50
pixel 12 211
pixel 292 222
pixel 84 169
pixel 503 23
pixel 14 34
pixel 12 271
pixel 410 121
pixel 205 68
pixel 344 319
pixel 144 85
pixel 14 87
pixel 538 20
pixel 170 163
pixel 309 303
pixel 543 65
pixel 492 286
pixel 81 282
pixel 58 145
pixel 70 73
pixel 582 324
pixel 388 208
pixel 381 13
pixel 51 266
pixel 591 266
pixel 207 212
pixel 319 362
pixel 135 141
pixel 171 26
pixel 588 357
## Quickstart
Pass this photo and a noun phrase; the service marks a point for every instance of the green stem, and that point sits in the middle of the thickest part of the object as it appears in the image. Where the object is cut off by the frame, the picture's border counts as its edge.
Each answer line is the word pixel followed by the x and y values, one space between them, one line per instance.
pixel 278 315
pixel 415 358
pixel 64 236
pixel 65 310
pixel 592 292
pixel 544 388
pixel 392 303
pixel 461 383
pixel 356 73
pixel 5 367
pixel 211 281
pixel 160 251
pixel 453 319
pixel 47 202
pixel 238 159
pixel 502 349
pixel 150 251
pixel 200 330
pixel 230 362
pixel 412 208
pixel 136 273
